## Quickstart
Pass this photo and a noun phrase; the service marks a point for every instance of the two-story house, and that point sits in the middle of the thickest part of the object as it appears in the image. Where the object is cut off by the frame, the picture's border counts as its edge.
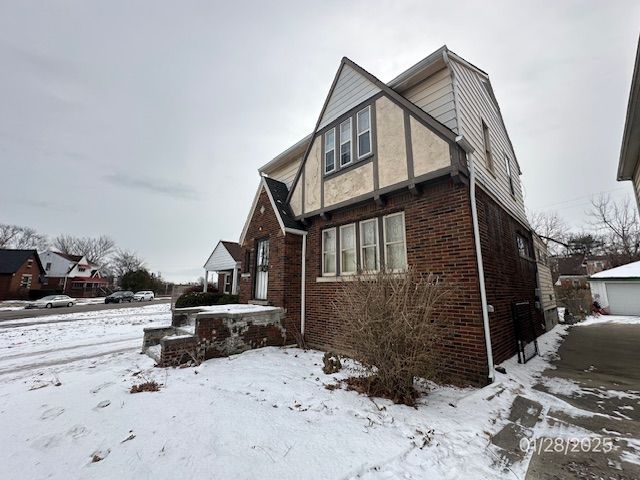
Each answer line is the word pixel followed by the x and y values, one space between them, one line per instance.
pixel 73 275
pixel 420 172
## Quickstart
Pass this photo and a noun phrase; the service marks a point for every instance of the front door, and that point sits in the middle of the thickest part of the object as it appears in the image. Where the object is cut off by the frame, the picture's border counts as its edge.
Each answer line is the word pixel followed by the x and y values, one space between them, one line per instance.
pixel 262 270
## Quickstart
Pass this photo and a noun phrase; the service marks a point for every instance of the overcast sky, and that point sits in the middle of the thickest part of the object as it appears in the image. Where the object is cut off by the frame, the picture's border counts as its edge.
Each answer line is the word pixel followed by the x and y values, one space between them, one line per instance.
pixel 147 120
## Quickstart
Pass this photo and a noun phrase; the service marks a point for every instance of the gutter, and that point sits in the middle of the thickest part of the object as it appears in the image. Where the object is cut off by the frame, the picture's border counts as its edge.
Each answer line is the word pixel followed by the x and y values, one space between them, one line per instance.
pixel 466 146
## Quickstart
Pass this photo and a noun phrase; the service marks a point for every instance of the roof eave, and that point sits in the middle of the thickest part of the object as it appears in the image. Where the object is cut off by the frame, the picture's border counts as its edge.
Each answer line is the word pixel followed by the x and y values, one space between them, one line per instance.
pixel 630 148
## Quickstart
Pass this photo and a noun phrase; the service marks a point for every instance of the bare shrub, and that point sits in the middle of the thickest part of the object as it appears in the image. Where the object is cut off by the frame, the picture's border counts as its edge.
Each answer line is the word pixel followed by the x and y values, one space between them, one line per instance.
pixel 149 386
pixel 576 301
pixel 393 324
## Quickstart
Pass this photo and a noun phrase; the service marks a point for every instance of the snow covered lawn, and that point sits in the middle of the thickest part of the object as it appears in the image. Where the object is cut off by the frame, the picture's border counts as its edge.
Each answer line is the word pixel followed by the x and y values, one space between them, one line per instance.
pixel 64 397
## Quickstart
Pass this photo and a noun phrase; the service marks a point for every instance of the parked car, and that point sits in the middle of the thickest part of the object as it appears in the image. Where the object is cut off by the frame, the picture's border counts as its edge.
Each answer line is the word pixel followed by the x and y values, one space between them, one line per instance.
pixel 145 295
pixel 119 297
pixel 51 301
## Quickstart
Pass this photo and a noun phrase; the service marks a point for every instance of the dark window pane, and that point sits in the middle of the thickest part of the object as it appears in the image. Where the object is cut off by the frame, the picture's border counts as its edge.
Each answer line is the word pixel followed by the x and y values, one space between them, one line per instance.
pixel 364 144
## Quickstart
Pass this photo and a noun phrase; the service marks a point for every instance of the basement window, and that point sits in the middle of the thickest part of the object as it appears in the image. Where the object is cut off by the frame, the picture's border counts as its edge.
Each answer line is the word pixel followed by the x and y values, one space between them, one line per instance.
pixel 330 151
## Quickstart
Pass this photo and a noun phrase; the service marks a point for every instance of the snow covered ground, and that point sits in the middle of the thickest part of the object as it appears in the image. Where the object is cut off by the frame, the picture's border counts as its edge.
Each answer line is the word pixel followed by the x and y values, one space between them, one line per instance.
pixel 64 397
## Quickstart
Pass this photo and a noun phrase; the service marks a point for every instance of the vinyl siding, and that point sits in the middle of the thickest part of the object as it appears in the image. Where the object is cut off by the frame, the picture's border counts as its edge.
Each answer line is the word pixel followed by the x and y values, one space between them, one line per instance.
pixel 475 106
pixel 286 173
pixel 435 96
pixel 545 281
pixel 220 259
pixel 350 90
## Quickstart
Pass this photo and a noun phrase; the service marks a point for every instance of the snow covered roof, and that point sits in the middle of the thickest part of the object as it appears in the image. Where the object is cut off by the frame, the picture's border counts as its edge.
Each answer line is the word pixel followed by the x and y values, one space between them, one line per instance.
pixel 630 270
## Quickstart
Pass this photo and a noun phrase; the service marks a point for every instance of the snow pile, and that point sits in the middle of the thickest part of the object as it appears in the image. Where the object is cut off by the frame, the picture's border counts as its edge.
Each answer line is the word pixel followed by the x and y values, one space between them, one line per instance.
pixel 602 319
pixel 230 308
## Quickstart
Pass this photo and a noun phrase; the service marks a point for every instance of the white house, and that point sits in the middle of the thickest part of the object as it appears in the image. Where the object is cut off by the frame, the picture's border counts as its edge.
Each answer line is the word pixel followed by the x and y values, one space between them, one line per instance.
pixel 71 274
pixel 618 289
pixel 225 260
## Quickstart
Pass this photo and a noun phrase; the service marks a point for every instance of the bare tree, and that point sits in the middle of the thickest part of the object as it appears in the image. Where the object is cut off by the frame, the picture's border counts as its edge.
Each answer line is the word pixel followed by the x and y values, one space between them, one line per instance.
pixel 14 236
pixel 123 262
pixel 618 224
pixel 553 230
pixel 96 249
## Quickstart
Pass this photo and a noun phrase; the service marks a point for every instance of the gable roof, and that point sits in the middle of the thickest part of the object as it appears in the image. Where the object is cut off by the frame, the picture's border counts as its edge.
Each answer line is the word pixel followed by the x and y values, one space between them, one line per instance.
pixel 12 260
pixel 278 197
pixel 234 249
pixel 416 111
pixel 68 256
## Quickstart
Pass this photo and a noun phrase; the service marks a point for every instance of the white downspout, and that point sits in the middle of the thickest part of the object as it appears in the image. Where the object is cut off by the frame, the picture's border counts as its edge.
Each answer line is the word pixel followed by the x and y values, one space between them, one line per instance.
pixel 303 284
pixel 476 237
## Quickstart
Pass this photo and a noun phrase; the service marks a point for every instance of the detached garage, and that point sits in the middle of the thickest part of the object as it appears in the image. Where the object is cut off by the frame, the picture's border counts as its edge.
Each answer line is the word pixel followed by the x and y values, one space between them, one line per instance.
pixel 618 289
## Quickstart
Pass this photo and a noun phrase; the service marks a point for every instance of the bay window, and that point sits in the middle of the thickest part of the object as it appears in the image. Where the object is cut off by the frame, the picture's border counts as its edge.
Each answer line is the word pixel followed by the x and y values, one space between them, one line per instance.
pixel 369 250
pixel 395 250
pixel 364 132
pixel 329 252
pixel 348 264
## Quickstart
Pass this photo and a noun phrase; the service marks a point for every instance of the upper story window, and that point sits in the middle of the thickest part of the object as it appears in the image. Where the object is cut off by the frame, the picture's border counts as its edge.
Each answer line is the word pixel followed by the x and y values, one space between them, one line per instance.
pixel 507 166
pixel 330 151
pixel 364 132
pixel 487 146
pixel 369 249
pixel 29 263
pixel 395 248
pixel 81 269
pixel 329 252
pixel 345 142
pixel 48 267
pixel 523 246
pixel 348 264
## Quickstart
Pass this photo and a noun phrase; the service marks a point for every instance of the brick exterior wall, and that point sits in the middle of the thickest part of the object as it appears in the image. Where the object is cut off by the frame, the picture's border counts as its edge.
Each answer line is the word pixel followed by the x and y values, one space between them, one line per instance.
pixel 439 237
pixel 439 240
pixel 283 288
pixel 10 284
pixel 508 276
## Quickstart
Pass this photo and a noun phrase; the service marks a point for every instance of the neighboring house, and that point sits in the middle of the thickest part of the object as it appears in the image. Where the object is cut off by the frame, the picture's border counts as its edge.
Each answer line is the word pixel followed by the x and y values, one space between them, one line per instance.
pixel 618 289
pixel 630 150
pixel 574 271
pixel 73 275
pixel 417 172
pixel 225 260
pixel 546 294
pixel 20 272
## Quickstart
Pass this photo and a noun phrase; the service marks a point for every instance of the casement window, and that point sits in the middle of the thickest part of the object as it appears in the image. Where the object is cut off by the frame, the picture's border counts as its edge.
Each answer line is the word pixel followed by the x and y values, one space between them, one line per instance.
pixel 487 146
pixel 523 246
pixel 330 151
pixel 348 262
pixel 507 166
pixel 329 252
pixel 364 132
pixel 369 249
pixel 25 281
pixel 345 142
pixel 395 248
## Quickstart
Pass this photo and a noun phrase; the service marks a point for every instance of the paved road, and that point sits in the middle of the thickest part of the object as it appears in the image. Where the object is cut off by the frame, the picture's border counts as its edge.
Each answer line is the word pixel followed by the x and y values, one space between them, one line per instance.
pixel 31 313
pixel 604 360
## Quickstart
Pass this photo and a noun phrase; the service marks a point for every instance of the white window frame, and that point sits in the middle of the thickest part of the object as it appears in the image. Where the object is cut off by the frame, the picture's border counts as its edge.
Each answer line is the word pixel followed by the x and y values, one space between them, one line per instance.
pixel 404 239
pixel 355 249
pixel 333 149
pixel 350 141
pixel 29 280
pixel 363 246
pixel 358 133
pixel 335 253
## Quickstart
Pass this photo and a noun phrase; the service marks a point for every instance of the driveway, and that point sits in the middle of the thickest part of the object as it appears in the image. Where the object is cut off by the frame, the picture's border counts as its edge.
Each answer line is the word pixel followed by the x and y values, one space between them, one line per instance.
pixel 597 374
pixel 33 313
